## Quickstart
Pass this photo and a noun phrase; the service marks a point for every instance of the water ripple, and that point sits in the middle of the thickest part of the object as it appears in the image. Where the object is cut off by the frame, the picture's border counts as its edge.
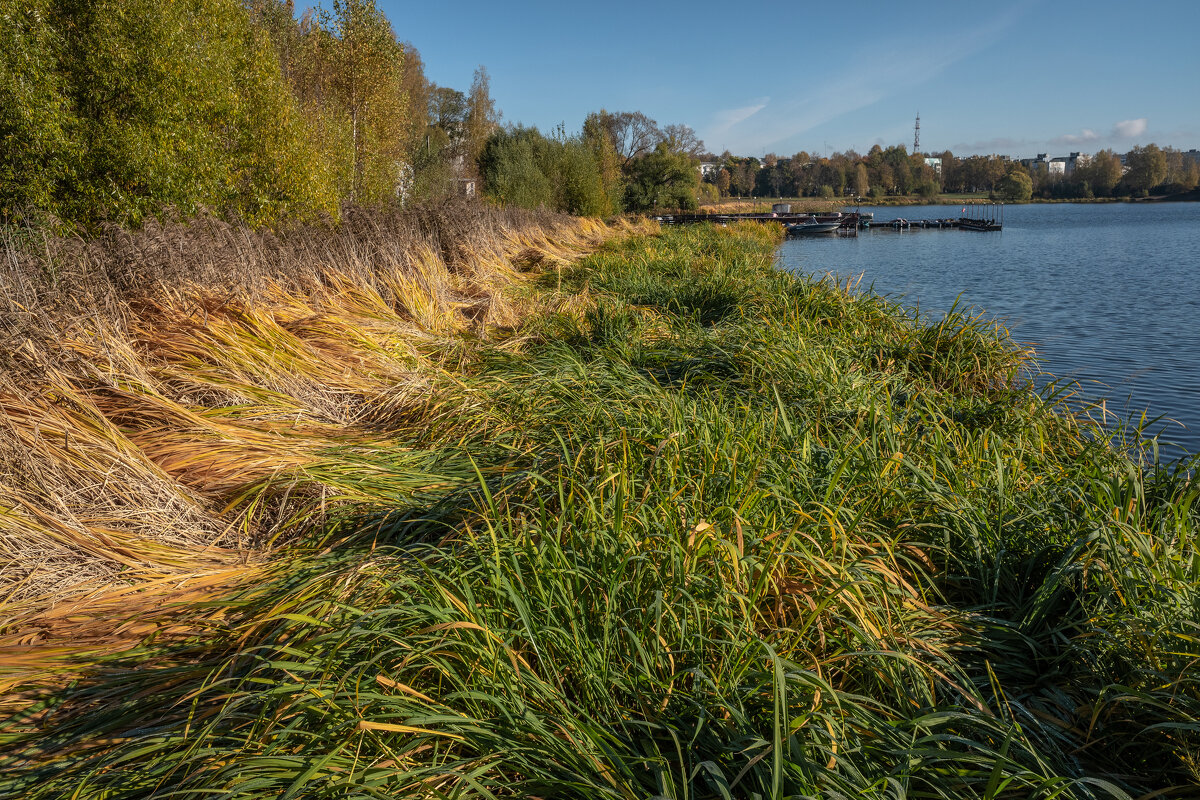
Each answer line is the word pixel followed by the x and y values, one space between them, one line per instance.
pixel 1107 294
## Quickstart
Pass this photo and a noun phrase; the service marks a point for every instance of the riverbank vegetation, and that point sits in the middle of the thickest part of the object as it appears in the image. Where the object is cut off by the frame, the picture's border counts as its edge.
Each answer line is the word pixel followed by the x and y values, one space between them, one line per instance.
pixel 691 528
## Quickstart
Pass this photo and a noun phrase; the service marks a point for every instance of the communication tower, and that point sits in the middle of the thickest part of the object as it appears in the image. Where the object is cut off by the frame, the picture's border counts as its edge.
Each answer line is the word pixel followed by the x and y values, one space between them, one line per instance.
pixel 917 134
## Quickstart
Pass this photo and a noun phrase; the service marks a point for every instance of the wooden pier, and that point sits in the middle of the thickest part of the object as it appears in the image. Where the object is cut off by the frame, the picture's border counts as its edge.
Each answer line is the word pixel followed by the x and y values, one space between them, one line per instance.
pixel 974 218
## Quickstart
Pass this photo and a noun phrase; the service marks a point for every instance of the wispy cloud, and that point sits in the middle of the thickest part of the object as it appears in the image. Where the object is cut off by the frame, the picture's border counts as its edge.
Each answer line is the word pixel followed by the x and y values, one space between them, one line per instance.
pixel 1085 136
pixel 1004 145
pixel 726 119
pixel 781 121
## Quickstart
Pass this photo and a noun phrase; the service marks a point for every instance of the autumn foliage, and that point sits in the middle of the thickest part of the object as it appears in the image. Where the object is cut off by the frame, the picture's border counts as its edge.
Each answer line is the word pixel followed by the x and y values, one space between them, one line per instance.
pixel 117 110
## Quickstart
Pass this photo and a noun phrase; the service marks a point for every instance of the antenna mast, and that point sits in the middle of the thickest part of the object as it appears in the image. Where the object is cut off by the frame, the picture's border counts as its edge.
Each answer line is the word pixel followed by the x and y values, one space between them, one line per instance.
pixel 917 135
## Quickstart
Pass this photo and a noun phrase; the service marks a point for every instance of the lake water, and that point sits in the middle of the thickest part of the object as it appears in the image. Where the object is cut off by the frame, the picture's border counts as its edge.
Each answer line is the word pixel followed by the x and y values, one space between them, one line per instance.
pixel 1107 294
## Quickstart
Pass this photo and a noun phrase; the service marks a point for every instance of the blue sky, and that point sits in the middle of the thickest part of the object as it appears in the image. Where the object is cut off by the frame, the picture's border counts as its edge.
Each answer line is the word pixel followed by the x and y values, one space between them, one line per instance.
pixel 1015 78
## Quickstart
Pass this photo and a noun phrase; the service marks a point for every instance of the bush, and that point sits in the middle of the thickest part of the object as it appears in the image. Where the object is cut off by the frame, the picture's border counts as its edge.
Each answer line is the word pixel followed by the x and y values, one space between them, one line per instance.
pixel 522 167
pixel 512 168
pixel 662 179
pixel 1015 187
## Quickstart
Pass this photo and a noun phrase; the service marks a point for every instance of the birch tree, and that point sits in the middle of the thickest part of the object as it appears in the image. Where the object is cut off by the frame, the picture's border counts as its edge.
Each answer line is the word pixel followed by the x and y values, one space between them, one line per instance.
pixel 364 64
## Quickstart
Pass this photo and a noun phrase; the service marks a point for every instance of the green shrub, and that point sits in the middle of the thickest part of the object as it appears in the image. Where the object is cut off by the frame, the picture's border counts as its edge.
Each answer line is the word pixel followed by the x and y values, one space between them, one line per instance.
pixel 662 179
pixel 522 167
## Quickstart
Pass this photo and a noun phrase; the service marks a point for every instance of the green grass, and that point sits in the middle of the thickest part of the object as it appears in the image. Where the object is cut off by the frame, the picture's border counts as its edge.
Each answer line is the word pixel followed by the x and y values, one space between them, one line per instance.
pixel 733 534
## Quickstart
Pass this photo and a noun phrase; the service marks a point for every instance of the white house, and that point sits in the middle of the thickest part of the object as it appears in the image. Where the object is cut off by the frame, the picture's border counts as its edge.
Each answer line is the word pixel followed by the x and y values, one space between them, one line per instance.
pixel 1060 165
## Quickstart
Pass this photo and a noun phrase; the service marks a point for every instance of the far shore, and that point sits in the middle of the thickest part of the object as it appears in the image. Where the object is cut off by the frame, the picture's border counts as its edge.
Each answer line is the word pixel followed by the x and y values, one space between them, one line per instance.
pixel 740 205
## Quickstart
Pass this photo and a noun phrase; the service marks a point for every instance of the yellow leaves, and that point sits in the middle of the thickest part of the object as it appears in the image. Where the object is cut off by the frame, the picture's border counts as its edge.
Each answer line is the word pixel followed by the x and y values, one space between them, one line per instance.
pixel 892 464
pixel 391 684
pixel 389 727
pixel 455 626
pixel 699 527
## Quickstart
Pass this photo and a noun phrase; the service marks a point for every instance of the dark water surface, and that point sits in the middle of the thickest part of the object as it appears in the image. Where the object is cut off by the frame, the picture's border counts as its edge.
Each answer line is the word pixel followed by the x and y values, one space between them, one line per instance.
pixel 1109 295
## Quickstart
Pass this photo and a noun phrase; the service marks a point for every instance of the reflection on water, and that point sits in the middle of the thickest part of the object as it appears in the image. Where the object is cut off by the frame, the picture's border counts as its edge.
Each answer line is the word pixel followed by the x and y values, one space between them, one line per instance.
pixel 1106 294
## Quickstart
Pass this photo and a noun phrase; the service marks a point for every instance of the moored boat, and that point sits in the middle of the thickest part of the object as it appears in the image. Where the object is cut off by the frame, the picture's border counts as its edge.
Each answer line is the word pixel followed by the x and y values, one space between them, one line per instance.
pixel 969 224
pixel 812 227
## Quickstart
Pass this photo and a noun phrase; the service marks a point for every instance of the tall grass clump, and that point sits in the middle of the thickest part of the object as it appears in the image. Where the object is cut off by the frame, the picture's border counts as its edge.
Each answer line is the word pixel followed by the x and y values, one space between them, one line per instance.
pixel 702 530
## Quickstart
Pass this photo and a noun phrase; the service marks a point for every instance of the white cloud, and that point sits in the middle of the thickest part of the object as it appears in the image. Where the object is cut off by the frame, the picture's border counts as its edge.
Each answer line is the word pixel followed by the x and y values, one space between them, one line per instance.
pixel 1130 128
pixel 1117 137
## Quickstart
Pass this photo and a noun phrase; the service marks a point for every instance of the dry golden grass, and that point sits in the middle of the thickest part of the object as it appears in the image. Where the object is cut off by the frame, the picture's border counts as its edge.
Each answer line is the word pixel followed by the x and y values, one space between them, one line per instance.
pixel 169 397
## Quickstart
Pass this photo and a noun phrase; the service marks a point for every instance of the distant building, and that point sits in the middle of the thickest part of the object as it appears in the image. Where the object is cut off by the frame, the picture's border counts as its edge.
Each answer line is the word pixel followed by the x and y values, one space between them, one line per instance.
pixel 1077 160
pixel 1060 165
pixel 709 168
pixel 1032 164
pixel 1192 155
pixel 936 163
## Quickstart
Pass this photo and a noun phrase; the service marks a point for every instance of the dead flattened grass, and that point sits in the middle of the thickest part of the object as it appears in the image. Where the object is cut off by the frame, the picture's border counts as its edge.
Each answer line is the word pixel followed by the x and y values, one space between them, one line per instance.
pixel 53 642
pixel 160 390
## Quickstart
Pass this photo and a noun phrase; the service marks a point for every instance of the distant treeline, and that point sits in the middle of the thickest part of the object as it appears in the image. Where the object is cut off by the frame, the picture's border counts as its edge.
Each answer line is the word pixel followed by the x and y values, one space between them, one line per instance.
pixel 893 171
pixel 115 110
pixel 1140 172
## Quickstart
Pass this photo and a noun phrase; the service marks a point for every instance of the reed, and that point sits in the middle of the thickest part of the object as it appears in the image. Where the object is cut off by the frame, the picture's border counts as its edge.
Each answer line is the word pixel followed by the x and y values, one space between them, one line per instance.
pixel 703 530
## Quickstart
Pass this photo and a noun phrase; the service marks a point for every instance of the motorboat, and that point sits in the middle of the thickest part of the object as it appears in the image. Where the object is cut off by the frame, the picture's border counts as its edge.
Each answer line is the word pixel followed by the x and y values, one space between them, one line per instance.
pixel 973 224
pixel 812 226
